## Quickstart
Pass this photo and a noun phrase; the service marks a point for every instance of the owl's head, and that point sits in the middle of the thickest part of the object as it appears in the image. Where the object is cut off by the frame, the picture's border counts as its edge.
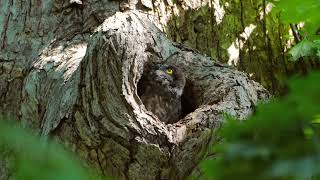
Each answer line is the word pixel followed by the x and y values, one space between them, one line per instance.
pixel 169 76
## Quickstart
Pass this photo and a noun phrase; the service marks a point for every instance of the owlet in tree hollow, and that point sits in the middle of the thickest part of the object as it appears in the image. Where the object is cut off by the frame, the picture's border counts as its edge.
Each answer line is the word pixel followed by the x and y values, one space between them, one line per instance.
pixel 162 87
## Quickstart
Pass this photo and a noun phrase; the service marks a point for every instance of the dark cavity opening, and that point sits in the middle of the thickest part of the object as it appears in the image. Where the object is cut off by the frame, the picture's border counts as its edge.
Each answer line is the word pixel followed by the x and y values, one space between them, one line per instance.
pixel 188 99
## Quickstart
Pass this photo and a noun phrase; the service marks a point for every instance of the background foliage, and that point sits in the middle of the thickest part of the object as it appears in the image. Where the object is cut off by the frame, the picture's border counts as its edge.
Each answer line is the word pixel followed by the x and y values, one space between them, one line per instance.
pixel 249 37
pixel 307 13
pixel 282 139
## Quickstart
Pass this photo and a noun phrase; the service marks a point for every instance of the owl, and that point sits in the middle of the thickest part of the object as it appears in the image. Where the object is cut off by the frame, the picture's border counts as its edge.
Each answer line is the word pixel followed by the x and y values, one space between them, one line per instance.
pixel 161 87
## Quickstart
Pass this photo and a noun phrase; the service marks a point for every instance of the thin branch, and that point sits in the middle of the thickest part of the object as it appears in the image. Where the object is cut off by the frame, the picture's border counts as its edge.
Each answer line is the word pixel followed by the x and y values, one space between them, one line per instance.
pixel 297 36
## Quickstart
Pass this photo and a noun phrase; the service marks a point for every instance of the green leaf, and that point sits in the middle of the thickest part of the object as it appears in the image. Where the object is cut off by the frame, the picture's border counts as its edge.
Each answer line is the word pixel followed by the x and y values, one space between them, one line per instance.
pixel 304 48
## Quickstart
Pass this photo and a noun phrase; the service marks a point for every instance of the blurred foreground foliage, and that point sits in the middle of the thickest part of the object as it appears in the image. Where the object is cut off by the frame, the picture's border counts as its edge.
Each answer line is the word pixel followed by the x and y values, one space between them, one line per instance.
pixel 33 159
pixel 280 141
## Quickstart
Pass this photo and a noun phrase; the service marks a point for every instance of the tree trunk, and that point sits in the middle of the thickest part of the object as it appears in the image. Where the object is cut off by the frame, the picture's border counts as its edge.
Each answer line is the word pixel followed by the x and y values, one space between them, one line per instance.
pixel 70 79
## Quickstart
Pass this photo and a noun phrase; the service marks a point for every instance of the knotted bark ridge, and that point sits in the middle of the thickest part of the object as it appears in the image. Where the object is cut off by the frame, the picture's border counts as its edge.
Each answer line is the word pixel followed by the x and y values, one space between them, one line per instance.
pixel 87 98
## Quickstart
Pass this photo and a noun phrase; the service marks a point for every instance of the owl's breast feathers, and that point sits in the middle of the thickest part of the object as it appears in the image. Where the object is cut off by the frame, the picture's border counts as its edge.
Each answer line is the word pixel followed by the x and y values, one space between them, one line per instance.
pixel 167 109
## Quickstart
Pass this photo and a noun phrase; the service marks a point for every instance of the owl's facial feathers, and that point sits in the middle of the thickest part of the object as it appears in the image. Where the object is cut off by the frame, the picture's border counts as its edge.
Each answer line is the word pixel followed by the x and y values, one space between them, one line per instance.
pixel 168 75
pixel 163 78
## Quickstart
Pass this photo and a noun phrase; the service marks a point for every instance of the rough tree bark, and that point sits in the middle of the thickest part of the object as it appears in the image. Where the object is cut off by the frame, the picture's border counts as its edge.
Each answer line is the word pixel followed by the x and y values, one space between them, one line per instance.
pixel 82 90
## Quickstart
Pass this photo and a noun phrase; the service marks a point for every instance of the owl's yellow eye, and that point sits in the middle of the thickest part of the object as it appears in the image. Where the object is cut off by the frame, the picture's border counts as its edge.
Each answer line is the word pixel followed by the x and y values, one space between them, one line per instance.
pixel 169 71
